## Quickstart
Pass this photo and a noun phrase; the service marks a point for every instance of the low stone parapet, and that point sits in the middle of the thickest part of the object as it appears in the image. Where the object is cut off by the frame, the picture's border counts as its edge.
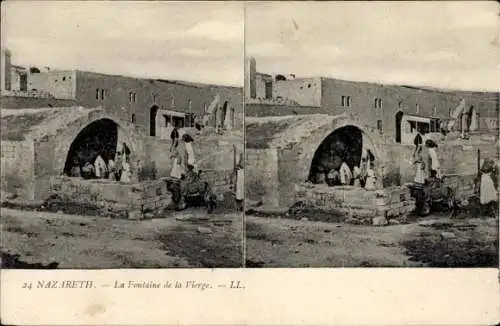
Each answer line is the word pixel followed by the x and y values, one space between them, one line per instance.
pixel 111 198
pixel 358 205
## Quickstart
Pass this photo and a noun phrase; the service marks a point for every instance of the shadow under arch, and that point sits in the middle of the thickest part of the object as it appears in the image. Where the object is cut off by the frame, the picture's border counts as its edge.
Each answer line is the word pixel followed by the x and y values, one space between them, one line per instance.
pixel 344 143
pixel 315 139
pixel 100 137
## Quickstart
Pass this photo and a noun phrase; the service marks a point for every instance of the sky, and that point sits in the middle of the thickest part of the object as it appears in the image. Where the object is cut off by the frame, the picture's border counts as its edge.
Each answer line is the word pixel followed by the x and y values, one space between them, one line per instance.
pixel 442 44
pixel 199 42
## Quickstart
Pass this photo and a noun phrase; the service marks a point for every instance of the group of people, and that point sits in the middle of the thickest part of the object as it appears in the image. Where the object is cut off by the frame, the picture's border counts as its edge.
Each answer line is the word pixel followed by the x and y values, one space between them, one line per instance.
pixel 181 164
pixel 426 161
pixel 106 168
pixel 185 170
pixel 334 171
pixel 360 176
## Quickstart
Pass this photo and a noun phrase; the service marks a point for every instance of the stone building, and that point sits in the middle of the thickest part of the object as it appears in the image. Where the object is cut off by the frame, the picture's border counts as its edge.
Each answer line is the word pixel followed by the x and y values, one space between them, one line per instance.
pixel 71 116
pixel 147 103
pixel 281 154
pixel 38 146
pixel 308 120
pixel 378 107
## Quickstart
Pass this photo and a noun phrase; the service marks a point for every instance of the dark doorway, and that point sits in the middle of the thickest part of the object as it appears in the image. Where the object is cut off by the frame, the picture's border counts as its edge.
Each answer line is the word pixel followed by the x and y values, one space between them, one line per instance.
pixel 345 143
pixel 152 120
pixel 268 90
pixel 399 118
pixel 99 137
pixel 23 80
pixel 223 115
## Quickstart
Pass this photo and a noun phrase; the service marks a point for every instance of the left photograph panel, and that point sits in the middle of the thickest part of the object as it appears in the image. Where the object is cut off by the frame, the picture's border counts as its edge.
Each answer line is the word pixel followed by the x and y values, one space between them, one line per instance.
pixel 122 135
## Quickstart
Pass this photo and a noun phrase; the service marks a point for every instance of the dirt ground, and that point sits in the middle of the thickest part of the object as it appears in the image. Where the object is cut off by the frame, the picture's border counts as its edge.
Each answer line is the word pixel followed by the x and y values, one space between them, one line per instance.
pixel 435 241
pixel 182 239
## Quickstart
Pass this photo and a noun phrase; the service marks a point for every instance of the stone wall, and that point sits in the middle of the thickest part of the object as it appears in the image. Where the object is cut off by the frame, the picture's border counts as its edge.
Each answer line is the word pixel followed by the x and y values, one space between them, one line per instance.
pixel 261 176
pixel 305 91
pixel 327 93
pixel 110 197
pixel 61 84
pixel 211 153
pixel 269 110
pixel 18 168
pixel 24 102
pixel 454 159
pixel 411 100
pixel 168 95
pixel 216 159
pixel 357 204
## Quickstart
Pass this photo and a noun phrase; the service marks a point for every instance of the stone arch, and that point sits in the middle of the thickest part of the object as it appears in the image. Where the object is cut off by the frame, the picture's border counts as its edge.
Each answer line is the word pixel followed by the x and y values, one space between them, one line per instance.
pixel 99 137
pixel 126 133
pixel 345 143
pixel 308 147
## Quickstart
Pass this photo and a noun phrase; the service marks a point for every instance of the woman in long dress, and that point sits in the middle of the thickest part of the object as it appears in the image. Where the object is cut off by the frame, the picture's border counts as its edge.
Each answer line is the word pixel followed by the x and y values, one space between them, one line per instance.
pixel 371 180
pixel 188 142
pixel 418 160
pixel 126 173
pixel 100 167
pixel 419 166
pixel 345 174
pixel 433 162
pixel 240 183
pixel 488 192
pixel 177 167
pixel 118 166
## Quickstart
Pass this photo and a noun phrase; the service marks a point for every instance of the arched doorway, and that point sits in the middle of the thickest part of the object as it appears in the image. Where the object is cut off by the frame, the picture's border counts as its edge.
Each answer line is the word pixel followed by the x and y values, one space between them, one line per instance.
pixel 342 145
pixel 98 138
pixel 223 113
pixel 153 112
pixel 399 119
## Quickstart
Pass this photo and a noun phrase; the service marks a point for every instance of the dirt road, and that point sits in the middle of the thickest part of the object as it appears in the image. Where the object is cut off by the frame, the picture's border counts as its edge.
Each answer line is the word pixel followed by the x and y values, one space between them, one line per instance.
pixel 184 239
pixel 280 242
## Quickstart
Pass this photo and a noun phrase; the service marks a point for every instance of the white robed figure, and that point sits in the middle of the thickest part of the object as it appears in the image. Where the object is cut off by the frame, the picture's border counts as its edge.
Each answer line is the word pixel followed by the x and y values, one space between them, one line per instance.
pixel 209 114
pixel 126 171
pixel 100 167
pixel 240 180
pixel 345 174
pixel 177 167
pixel 487 191
pixel 371 180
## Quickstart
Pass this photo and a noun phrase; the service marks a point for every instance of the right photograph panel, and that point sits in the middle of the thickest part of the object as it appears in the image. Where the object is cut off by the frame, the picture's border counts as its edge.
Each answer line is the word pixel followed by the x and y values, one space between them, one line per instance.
pixel 371 135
